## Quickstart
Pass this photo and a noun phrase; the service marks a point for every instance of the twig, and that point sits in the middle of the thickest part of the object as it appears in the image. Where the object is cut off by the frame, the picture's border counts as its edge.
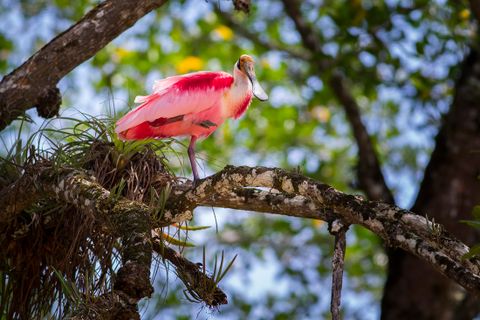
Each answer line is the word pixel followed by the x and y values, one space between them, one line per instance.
pixel 338 229
pixel 191 274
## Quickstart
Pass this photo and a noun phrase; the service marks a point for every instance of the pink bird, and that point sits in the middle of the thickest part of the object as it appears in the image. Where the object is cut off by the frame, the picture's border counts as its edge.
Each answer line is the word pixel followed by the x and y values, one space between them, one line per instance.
pixel 194 105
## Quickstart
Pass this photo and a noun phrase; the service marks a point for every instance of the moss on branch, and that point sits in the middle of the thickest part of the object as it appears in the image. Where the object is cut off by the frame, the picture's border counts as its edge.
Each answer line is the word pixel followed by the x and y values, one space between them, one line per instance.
pixel 287 193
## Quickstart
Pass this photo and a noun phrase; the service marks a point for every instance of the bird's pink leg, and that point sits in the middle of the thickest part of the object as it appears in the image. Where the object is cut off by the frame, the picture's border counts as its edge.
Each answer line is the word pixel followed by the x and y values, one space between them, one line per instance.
pixel 191 155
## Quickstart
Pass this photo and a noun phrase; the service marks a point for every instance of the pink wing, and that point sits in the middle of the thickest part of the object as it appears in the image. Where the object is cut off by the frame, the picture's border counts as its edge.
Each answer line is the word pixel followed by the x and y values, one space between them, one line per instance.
pixel 178 95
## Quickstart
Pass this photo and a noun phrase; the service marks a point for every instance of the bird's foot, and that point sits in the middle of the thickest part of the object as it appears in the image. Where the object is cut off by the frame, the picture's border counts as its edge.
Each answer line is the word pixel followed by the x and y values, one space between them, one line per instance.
pixel 196 182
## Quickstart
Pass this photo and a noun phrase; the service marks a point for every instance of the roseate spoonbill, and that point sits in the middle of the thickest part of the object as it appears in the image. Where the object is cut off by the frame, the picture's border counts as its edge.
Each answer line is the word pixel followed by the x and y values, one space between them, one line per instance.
pixel 194 105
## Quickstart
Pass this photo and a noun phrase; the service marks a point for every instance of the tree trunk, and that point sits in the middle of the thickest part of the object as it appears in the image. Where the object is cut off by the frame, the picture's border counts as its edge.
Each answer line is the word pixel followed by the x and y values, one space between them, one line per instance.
pixel 448 193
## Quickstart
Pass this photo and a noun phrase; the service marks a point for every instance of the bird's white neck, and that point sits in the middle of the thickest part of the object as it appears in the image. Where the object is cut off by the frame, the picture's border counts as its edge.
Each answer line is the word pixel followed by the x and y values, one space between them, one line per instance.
pixel 240 91
pixel 240 78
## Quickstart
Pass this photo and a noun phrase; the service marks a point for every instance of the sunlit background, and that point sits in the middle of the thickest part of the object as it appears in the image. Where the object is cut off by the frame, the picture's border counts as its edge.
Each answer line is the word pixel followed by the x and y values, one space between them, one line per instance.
pixel 399 57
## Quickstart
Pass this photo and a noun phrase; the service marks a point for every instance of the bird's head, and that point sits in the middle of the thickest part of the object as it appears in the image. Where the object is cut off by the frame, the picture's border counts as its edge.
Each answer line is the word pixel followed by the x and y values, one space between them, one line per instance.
pixel 246 66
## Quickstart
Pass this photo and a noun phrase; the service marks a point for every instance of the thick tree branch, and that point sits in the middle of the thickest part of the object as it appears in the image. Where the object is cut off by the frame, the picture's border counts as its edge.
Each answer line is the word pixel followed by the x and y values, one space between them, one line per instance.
pixel 34 82
pixel 131 220
pixel 398 227
pixel 449 191
pixel 287 194
pixel 249 199
pixel 70 186
pixel 369 173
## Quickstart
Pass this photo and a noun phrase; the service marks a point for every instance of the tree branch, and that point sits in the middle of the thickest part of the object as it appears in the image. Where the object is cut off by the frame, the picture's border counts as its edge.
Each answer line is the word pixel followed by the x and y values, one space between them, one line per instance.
pixel 71 186
pixel 288 194
pixel 195 279
pixel 311 199
pixel 369 173
pixel 338 229
pixel 475 7
pixel 131 220
pixel 34 82
pixel 255 38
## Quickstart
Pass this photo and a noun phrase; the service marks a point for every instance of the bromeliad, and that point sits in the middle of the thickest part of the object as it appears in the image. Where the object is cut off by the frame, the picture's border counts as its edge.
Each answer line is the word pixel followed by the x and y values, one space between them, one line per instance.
pixel 194 105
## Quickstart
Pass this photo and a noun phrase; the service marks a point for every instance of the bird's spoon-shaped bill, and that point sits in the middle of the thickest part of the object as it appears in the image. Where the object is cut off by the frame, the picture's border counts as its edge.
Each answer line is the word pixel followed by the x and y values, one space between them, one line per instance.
pixel 257 89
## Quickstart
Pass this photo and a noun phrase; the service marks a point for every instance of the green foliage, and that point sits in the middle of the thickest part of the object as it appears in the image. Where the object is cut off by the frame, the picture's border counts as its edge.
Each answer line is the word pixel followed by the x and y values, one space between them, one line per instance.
pixel 72 293
pixel 71 253
pixel 400 59
pixel 473 252
pixel 475 223
pixel 219 272
pixel 476 216
pixel 78 275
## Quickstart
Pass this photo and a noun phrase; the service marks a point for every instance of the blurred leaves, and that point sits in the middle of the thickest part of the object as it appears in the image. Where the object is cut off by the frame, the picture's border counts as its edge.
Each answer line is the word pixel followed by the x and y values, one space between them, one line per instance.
pixel 189 64
pixel 223 32
pixel 401 59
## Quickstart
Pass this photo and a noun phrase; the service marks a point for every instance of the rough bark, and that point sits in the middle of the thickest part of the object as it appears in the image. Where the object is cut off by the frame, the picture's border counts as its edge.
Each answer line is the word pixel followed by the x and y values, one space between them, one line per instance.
pixel 289 194
pixel 70 186
pixel 448 193
pixel 398 227
pixel 34 82
pixel 338 230
pixel 130 220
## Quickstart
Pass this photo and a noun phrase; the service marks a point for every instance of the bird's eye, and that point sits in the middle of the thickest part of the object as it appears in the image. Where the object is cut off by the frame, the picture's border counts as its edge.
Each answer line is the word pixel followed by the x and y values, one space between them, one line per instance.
pixel 238 65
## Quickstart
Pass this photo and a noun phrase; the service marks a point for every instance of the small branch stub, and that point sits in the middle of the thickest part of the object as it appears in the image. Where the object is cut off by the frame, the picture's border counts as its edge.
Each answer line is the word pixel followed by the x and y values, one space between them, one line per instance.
pixel 48 104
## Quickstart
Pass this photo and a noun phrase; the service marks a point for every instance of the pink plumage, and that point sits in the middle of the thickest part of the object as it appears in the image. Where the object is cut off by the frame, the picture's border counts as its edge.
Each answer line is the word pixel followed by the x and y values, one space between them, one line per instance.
pixel 194 104
pixel 196 96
